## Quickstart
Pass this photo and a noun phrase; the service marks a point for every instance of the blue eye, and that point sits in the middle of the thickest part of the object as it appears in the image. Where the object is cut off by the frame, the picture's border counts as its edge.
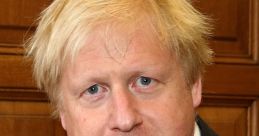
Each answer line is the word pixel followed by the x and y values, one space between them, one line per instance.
pixel 94 93
pixel 93 89
pixel 143 81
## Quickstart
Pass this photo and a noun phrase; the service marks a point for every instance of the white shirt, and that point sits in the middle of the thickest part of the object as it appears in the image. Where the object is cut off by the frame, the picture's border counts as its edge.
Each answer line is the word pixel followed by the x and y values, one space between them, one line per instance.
pixel 197 130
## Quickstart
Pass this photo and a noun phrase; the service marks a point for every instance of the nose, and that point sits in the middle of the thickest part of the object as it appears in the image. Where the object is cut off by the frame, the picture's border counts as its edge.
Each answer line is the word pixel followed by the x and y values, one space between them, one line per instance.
pixel 124 115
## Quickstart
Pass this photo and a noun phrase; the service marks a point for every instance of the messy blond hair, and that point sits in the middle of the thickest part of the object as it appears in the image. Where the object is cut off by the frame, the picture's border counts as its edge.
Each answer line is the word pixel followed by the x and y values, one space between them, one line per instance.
pixel 65 24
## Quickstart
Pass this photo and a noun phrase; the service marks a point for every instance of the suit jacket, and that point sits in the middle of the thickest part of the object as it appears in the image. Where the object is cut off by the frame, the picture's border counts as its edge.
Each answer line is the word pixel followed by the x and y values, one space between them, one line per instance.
pixel 205 130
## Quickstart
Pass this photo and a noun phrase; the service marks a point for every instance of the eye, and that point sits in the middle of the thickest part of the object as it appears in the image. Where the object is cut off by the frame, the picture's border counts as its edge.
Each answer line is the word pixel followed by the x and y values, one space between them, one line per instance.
pixel 143 81
pixel 94 92
pixel 144 85
pixel 93 89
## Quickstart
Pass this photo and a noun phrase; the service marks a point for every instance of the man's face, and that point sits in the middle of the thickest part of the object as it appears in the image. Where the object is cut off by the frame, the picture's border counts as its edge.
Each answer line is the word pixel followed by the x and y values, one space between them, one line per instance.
pixel 123 83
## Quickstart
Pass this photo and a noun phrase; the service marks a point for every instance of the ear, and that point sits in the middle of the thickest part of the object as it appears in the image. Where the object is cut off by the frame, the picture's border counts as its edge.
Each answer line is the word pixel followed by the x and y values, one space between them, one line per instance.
pixel 197 93
pixel 62 119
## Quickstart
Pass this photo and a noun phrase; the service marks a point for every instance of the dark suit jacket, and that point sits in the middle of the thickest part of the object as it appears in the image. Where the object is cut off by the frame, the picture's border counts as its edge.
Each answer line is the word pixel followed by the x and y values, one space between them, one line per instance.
pixel 204 128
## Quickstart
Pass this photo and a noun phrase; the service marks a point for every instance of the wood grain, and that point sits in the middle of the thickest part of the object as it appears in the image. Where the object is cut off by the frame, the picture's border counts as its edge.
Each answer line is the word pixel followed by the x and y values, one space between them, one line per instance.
pixel 28 119
pixel 236 32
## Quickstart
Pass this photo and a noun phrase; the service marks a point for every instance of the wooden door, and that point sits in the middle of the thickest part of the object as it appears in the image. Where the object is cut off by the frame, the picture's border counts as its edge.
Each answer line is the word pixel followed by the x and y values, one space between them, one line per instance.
pixel 24 111
pixel 231 86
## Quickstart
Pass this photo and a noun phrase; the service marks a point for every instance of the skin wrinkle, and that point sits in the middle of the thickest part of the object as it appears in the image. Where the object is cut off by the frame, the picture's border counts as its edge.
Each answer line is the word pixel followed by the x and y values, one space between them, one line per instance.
pixel 120 45
pixel 117 47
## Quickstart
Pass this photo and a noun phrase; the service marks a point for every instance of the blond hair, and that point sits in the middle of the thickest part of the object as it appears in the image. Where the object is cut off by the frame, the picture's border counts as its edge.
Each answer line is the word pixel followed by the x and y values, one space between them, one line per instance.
pixel 65 24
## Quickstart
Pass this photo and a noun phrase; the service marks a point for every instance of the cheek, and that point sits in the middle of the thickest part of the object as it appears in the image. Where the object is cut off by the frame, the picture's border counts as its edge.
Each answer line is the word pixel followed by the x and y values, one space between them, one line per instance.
pixel 172 114
pixel 81 121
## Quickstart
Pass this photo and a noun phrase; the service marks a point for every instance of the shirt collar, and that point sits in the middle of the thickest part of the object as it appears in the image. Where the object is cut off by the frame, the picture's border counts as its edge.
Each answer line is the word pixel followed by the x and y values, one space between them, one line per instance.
pixel 196 130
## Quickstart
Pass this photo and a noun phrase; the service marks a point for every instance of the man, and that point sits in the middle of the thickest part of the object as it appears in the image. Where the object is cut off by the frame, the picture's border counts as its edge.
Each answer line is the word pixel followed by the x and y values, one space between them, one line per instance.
pixel 122 67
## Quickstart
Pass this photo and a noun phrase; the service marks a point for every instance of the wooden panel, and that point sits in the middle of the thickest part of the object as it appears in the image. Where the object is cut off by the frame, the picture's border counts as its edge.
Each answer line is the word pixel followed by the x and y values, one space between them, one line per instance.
pixel 254 119
pixel 231 115
pixel 16 17
pixel 16 81
pixel 226 121
pixel 24 124
pixel 232 80
pixel 236 30
pixel 20 12
pixel 28 119
pixel 22 95
pixel 11 40
pixel 15 72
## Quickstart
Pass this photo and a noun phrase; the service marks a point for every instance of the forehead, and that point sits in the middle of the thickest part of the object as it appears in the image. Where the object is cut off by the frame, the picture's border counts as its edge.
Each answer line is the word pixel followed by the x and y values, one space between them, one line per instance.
pixel 128 46
pixel 118 41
